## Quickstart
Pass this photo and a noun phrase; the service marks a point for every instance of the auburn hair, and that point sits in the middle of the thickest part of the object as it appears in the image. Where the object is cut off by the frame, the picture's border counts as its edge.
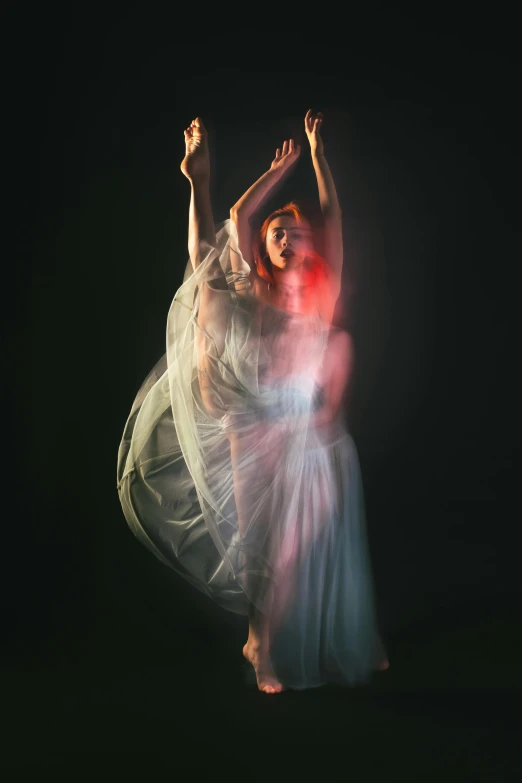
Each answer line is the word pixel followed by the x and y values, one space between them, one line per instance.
pixel 261 259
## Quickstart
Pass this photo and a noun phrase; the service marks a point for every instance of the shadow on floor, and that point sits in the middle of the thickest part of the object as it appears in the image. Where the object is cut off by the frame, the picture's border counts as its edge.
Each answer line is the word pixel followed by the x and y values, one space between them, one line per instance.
pixel 449 702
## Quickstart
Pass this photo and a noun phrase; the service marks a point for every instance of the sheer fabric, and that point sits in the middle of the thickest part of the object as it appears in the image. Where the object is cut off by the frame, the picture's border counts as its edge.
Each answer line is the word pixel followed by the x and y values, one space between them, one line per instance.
pixel 224 476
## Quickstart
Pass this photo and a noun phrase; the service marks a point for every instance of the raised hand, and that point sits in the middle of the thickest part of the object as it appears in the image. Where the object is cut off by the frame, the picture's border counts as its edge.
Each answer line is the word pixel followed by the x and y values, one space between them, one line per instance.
pixel 285 156
pixel 196 163
pixel 313 124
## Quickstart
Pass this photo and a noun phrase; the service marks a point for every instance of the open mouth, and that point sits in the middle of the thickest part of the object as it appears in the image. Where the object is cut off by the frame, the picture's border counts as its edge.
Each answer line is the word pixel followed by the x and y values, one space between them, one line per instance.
pixel 287 254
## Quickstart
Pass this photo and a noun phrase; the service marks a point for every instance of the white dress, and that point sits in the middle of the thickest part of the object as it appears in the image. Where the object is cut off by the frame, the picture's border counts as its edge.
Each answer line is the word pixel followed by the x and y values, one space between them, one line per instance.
pixel 253 503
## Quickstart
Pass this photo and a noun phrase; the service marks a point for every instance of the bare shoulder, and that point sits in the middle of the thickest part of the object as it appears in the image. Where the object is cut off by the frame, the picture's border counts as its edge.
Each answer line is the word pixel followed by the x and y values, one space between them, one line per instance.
pixel 259 286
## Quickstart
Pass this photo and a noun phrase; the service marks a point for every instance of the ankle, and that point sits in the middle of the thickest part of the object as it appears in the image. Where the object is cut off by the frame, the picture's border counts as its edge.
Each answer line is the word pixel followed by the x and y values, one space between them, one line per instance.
pixel 199 181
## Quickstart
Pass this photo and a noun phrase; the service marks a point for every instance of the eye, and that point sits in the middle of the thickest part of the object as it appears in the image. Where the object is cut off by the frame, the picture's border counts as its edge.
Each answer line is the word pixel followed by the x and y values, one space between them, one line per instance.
pixel 277 235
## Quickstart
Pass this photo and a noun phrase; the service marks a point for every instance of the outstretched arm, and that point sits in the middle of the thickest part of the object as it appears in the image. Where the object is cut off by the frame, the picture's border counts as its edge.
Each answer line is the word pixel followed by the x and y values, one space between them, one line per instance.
pixel 258 193
pixel 330 208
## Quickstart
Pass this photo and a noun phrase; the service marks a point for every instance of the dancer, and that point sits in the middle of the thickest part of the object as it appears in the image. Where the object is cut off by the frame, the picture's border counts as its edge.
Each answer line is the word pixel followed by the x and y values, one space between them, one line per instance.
pixel 236 467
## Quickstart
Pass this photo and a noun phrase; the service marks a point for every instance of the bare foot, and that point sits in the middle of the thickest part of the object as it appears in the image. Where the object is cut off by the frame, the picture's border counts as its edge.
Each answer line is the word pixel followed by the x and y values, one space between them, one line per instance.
pixel 265 675
pixel 196 163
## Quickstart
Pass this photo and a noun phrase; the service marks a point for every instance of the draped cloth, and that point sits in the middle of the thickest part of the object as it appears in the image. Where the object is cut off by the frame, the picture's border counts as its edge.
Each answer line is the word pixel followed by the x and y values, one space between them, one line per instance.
pixel 224 476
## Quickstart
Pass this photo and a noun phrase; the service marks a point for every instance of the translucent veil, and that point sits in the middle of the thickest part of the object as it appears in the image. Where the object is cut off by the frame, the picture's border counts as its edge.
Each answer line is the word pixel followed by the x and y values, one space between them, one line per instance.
pixel 222 475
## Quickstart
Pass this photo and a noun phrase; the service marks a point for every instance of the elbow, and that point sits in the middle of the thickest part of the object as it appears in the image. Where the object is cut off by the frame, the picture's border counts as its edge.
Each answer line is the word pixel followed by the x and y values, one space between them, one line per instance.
pixel 240 214
pixel 237 217
pixel 237 213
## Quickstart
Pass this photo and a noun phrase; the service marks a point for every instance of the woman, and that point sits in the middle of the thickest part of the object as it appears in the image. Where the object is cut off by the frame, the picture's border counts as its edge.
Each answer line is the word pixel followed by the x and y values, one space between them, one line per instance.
pixel 235 467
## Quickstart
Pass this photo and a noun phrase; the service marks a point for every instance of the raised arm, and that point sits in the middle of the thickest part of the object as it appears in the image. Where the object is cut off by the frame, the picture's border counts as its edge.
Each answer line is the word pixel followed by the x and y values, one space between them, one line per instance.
pixel 258 193
pixel 330 208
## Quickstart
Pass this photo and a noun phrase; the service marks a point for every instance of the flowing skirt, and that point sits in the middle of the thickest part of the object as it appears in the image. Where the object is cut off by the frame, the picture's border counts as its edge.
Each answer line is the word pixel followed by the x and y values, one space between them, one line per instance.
pixel 251 503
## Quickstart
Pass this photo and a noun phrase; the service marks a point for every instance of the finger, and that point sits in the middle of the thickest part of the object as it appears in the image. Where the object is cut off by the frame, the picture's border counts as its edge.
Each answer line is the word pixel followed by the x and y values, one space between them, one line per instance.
pixel 285 147
pixel 278 153
pixel 291 145
pixel 307 118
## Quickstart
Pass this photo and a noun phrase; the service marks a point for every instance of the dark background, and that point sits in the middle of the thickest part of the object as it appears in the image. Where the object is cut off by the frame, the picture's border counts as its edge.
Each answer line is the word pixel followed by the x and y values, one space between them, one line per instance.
pixel 107 653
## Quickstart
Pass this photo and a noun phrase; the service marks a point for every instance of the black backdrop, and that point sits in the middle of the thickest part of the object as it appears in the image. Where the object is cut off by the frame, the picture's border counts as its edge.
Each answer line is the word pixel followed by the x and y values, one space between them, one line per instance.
pixel 421 132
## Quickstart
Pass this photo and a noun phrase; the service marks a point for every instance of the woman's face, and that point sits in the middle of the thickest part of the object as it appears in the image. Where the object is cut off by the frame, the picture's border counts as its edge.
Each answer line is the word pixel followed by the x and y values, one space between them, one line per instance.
pixel 288 242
